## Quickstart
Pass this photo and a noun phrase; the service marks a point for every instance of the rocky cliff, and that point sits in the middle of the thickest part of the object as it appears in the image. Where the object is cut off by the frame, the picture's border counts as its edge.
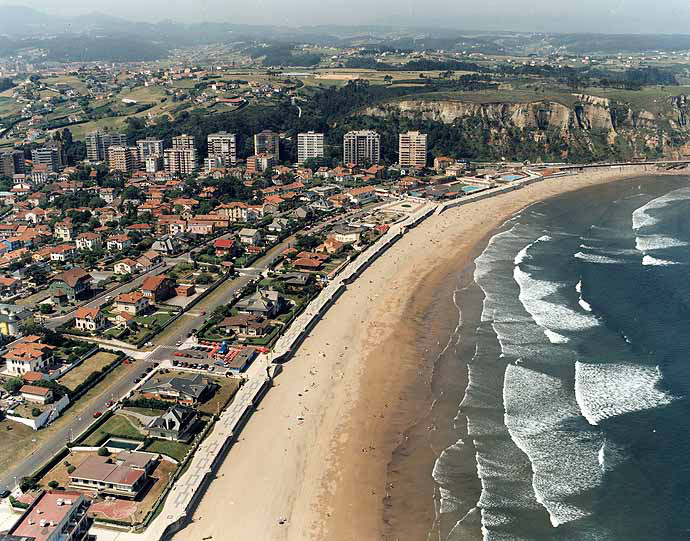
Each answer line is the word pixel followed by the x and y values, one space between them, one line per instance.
pixel 587 121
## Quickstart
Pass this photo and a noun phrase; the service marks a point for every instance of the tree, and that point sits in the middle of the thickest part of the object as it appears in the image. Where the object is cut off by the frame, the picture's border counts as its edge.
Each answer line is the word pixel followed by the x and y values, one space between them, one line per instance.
pixel 13 385
pixel 35 412
pixel 53 484
pixel 102 451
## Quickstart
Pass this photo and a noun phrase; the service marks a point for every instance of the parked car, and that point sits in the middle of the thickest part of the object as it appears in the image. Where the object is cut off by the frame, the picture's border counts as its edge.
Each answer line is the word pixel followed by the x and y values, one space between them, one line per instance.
pixel 4 493
pixel 136 380
pixel 97 414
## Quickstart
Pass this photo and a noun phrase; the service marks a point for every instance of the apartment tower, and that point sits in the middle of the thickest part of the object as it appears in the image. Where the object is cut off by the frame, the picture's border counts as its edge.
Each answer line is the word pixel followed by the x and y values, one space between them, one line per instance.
pixel 267 142
pixel 97 144
pixel 149 148
pixel 309 145
pixel 412 149
pixel 362 147
pixel 222 149
pixel 123 159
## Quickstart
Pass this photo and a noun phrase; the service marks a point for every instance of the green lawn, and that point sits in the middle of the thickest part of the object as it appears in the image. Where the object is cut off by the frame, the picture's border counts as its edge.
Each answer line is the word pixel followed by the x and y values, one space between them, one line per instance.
pixel 117 425
pixel 173 449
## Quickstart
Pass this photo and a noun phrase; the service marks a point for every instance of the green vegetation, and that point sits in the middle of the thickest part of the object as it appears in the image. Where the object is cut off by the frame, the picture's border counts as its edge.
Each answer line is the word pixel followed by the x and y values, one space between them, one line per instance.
pixel 173 449
pixel 116 426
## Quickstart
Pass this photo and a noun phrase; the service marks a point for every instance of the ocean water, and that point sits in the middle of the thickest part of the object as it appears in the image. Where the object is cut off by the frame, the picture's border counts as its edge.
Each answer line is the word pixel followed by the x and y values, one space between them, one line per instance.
pixel 575 336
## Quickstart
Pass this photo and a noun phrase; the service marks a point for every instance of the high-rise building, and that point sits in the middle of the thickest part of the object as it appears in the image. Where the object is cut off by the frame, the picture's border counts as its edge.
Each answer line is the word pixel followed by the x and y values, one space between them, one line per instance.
pixel 309 145
pixel 362 147
pixel 412 149
pixel 97 144
pixel 12 163
pixel 179 161
pixel 222 147
pixel 267 142
pixel 51 155
pixel 153 164
pixel 260 163
pixel 183 142
pixel 149 148
pixel 123 159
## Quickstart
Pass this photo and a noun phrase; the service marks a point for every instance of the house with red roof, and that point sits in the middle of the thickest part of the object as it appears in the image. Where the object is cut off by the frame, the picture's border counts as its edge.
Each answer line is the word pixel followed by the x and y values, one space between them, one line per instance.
pixel 224 247
pixel 89 319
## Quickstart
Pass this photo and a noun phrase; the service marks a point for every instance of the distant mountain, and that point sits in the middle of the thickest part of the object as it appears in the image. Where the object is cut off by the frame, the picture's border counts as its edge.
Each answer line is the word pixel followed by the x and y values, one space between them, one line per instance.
pixel 97 36
pixel 22 20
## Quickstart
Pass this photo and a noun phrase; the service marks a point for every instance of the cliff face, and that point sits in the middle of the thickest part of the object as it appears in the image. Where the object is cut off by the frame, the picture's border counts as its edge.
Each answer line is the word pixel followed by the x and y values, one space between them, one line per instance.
pixel 589 120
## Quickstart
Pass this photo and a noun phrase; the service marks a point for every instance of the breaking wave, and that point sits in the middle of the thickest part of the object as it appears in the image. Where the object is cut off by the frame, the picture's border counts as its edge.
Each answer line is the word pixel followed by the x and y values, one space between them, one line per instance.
pixel 609 390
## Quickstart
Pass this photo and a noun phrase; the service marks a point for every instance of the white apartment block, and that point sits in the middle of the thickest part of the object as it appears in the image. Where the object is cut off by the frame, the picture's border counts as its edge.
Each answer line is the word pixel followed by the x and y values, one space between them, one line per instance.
pixel 309 145
pixel 362 147
pixel 412 148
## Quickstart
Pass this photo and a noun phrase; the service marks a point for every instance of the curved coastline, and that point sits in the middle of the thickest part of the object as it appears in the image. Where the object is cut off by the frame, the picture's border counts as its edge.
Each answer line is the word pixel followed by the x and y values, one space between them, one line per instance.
pixel 340 448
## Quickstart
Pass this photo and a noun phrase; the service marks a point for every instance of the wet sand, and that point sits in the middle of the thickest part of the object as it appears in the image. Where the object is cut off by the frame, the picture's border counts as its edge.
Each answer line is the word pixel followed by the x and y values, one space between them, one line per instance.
pixel 340 447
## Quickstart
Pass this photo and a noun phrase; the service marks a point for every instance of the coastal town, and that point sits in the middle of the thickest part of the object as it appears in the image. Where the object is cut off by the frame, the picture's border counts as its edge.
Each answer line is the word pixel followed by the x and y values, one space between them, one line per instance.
pixel 173 228
pixel 146 288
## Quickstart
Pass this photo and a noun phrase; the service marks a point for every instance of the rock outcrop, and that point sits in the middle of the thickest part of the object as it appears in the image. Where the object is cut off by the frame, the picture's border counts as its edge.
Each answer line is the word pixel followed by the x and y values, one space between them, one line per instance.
pixel 584 118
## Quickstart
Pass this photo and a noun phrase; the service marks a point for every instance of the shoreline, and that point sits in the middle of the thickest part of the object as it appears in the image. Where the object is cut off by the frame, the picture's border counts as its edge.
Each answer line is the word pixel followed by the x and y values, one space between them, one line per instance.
pixel 337 448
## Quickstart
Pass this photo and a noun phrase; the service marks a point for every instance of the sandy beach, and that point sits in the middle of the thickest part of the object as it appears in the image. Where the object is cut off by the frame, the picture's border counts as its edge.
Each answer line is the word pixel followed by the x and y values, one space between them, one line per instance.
pixel 331 452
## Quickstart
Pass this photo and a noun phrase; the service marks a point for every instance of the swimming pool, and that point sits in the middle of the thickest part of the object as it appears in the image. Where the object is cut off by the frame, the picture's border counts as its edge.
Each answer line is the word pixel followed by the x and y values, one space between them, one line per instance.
pixel 117 443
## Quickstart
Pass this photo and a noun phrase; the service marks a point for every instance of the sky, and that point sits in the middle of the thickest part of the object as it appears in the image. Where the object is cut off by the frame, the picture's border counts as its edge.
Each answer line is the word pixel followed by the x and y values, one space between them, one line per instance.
pixel 610 16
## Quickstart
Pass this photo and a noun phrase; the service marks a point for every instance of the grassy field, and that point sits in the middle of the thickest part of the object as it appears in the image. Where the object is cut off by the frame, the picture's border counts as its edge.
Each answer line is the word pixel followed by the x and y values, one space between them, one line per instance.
pixel 94 363
pixel 655 99
pixel 70 80
pixel 117 425
pixel 497 96
pixel 8 106
pixel 173 449
pixel 79 131
pixel 227 389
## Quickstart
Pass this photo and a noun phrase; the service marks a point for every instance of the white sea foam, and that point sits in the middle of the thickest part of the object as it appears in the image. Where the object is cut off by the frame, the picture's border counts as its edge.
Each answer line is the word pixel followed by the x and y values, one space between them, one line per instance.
pixel 596 258
pixel 608 390
pixel 648 260
pixel 641 216
pixel 547 314
pixel 584 305
pixel 564 462
pixel 581 301
pixel 522 254
pixel 556 338
pixel 448 503
pixel 647 243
